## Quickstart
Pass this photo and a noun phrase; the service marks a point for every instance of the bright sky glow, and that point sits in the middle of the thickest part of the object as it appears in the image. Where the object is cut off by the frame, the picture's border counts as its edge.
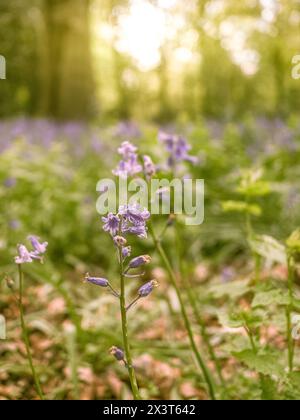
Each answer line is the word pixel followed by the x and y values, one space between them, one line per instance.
pixel 142 32
pixel 145 27
pixel 270 9
pixel 234 35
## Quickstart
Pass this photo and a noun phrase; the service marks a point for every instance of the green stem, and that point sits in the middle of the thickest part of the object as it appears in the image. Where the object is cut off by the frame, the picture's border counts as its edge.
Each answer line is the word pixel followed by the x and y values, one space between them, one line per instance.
pixel 256 257
pixel 251 338
pixel 70 307
pixel 200 321
pixel 204 333
pixel 291 343
pixel 249 228
pixel 262 377
pixel 187 324
pixel 131 372
pixel 26 336
pixel 73 360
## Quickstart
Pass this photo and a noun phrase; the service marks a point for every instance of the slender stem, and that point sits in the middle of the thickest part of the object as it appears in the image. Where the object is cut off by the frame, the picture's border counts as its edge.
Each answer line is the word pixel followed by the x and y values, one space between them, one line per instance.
pixel 26 336
pixel 164 230
pixel 114 292
pixel 251 338
pixel 133 302
pixel 249 228
pixel 204 334
pixel 131 372
pixel 200 321
pixel 291 343
pixel 255 351
pixel 73 359
pixel 257 261
pixel 187 324
pixel 250 234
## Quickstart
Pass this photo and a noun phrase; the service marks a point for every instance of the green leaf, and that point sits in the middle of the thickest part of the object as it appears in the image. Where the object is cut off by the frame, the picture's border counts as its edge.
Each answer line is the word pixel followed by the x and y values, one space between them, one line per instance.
pixel 238 319
pixel 269 389
pixel 293 242
pixel 230 321
pixel 292 386
pixel 294 379
pixel 266 364
pixel 252 185
pixel 269 248
pixel 260 188
pixel 271 297
pixel 296 304
pixel 233 290
pixel 241 207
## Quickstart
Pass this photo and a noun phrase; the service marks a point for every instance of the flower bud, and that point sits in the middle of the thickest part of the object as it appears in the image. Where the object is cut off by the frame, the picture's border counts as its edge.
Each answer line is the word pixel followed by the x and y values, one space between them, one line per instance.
pixel 126 252
pixel 98 281
pixel 9 282
pixel 149 167
pixel 171 219
pixel 120 241
pixel 147 288
pixel 139 261
pixel 117 353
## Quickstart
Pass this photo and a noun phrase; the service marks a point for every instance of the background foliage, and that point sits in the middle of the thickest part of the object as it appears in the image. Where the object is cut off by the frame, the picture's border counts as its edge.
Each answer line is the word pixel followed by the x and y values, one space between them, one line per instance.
pixel 157 59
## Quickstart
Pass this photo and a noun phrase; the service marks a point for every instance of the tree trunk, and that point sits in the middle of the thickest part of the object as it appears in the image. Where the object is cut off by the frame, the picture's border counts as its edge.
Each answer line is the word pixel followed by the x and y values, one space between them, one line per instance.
pixel 67 79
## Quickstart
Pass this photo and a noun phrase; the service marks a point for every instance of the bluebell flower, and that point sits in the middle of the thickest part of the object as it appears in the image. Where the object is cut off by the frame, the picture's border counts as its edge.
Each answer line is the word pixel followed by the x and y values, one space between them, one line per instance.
pixel 130 219
pixel 149 167
pixel 135 214
pixel 127 129
pixel 147 288
pixel 127 149
pixel 14 224
pixel 134 218
pixel 139 261
pixel 128 168
pixel 111 224
pixel 26 256
pixel 167 139
pixel 139 231
pixel 121 170
pixel 98 281
pixel 39 248
pixel 129 165
pixel 143 292
pixel 177 147
pixel 181 148
pixel 10 182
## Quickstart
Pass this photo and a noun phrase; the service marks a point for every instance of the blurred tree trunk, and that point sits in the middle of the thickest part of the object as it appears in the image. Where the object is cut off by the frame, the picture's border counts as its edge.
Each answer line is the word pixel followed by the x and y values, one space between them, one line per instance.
pixel 19 92
pixel 67 88
pixel 123 108
pixel 165 111
pixel 120 64
pixel 198 23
